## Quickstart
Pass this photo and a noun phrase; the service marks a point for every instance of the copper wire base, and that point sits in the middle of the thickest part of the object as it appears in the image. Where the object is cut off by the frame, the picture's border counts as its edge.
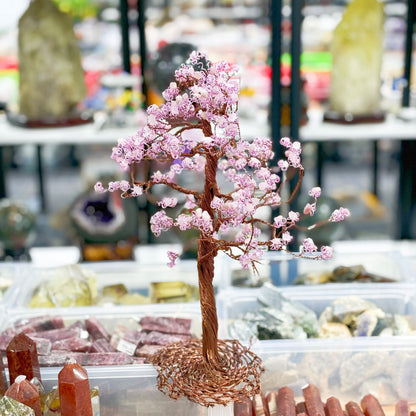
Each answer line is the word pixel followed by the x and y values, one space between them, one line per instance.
pixel 183 371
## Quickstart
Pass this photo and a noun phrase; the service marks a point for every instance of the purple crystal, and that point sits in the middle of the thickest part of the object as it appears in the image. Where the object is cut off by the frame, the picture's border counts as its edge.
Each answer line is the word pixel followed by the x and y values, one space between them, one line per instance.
pixel 106 358
pixel 56 334
pixel 101 345
pixel 43 345
pixel 75 344
pixel 78 324
pixel 147 350
pixel 5 340
pixel 159 338
pixel 59 358
pixel 167 325
pixel 39 323
pixel 139 360
pixel 96 329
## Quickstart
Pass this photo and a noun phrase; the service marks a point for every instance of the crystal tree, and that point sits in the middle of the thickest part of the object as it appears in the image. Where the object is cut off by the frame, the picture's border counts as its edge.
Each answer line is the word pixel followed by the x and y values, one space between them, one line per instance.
pixel 197 129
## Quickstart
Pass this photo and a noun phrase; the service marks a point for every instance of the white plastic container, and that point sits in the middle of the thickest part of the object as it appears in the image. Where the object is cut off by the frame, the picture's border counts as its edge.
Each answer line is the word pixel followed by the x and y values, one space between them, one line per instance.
pixel 346 368
pixel 126 390
pixel 136 277
pixel 282 268
pixel 9 272
pixel 132 390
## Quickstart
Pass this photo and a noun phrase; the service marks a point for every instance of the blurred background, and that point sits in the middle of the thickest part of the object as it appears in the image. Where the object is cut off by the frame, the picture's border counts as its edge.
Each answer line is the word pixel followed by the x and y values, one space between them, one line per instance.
pixel 289 53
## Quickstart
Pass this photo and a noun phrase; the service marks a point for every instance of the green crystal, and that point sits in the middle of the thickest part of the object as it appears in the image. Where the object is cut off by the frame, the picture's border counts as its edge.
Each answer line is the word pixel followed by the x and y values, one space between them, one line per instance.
pixel 357 49
pixel 11 407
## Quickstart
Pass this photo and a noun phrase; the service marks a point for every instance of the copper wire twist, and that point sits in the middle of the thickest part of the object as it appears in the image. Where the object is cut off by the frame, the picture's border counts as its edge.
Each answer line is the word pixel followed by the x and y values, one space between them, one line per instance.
pixel 183 371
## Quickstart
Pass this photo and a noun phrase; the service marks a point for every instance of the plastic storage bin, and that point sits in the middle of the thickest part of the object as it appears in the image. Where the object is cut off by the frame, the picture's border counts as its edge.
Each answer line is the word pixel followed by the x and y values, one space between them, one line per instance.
pixel 132 391
pixel 9 272
pixel 136 277
pixel 282 268
pixel 346 368
pixel 126 390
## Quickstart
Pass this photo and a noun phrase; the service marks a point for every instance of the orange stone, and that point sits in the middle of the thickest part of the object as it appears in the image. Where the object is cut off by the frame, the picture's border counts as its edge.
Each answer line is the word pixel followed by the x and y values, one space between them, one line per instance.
pixel 25 392
pixel 22 358
pixel 74 390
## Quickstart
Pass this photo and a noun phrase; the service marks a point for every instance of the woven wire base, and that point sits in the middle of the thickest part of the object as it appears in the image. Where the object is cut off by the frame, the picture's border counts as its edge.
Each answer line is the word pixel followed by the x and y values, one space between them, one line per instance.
pixel 183 371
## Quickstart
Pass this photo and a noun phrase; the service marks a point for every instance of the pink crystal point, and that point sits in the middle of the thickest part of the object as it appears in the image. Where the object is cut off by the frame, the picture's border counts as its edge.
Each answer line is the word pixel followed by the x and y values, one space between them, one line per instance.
pixel 74 390
pixel 22 358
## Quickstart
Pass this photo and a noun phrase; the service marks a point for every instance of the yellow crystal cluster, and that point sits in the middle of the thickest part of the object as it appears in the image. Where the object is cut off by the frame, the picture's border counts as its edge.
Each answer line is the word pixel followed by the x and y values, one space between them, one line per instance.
pixel 357 49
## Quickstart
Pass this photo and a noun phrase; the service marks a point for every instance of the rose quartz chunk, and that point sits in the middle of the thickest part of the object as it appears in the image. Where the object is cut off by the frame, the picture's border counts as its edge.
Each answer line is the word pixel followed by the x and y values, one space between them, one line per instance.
pixel 74 391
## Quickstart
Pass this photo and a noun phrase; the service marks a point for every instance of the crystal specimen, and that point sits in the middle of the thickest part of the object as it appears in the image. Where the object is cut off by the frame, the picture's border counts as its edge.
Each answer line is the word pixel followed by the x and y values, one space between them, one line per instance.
pixel 74 391
pixel 175 291
pixel 166 324
pixel 334 330
pixel 371 406
pixel 68 287
pixel 125 339
pixel 114 291
pixel 39 323
pixel 57 334
pixel 59 358
pixel 333 407
pixel 148 350
pixel 46 35
pixel 270 296
pixel 95 401
pixel 25 392
pixel 402 408
pixel 42 394
pixel 272 403
pixel 159 338
pixel 313 402
pixel 133 299
pixel 353 409
pixel 243 330
pixel 52 402
pixel 96 329
pixel 243 407
pixel 22 358
pixel 43 345
pixel 285 402
pixel 3 381
pixel 11 407
pixel 75 344
pixel 101 345
pixel 260 405
pixel 5 341
pixel 357 49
